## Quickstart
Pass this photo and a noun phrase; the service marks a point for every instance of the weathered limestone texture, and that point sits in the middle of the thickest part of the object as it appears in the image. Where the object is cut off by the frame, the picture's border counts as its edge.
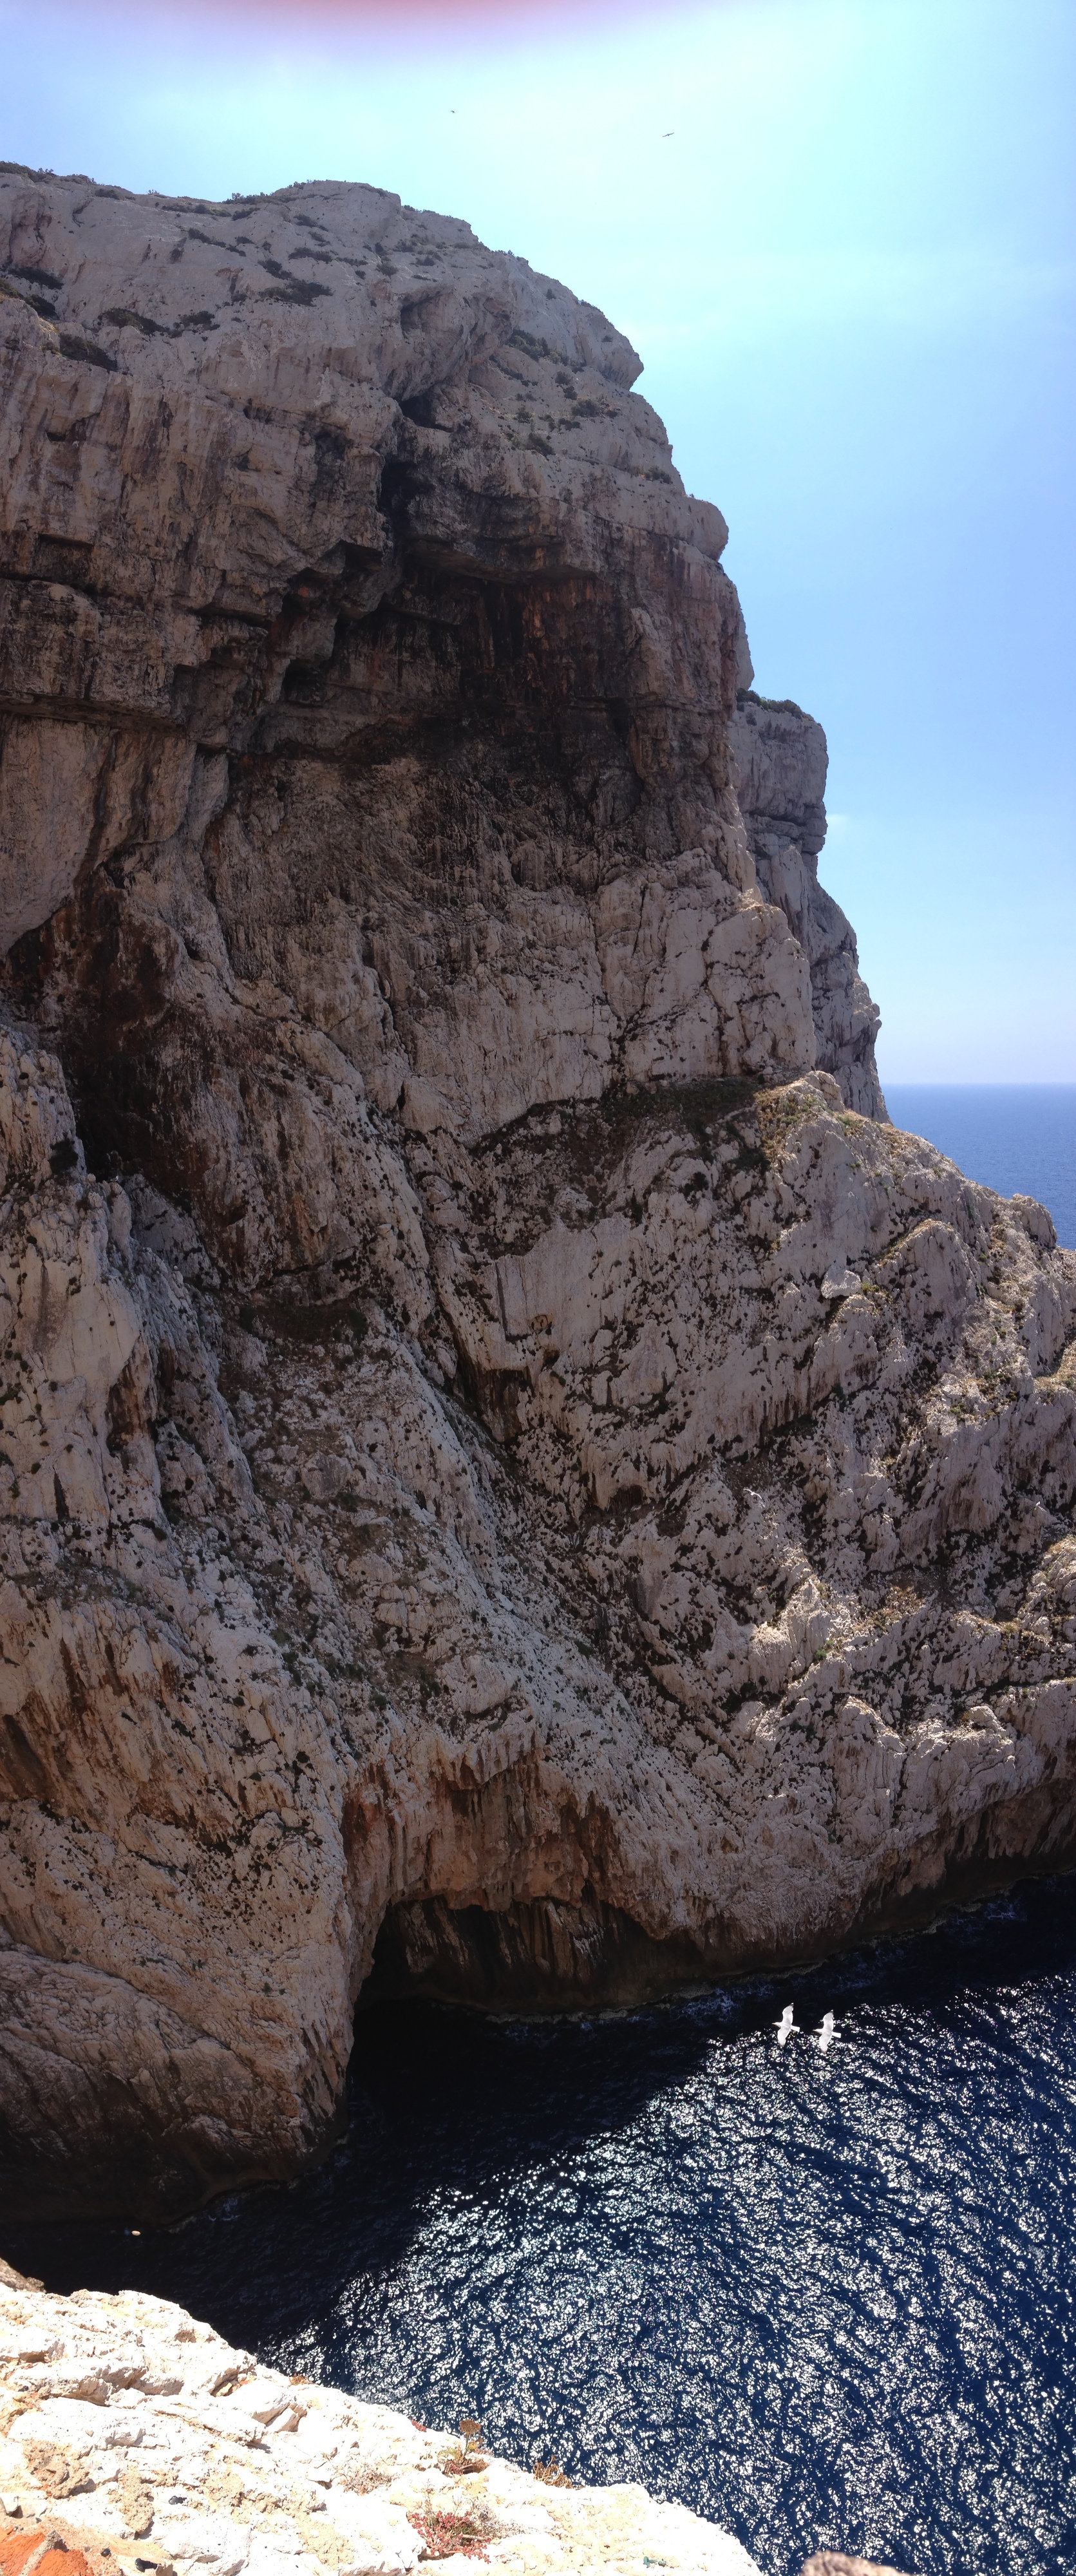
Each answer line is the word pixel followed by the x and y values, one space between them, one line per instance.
pixel 780 769
pixel 517 1481
pixel 135 2440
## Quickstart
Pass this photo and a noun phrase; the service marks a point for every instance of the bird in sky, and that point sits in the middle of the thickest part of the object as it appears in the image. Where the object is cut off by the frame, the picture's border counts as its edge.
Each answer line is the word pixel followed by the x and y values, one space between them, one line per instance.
pixel 785 2026
pixel 826 2030
pixel 667 138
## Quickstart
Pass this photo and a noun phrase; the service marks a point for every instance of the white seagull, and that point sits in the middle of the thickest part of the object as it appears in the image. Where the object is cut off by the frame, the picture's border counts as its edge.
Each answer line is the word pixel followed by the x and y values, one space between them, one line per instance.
pixel 826 2030
pixel 785 2026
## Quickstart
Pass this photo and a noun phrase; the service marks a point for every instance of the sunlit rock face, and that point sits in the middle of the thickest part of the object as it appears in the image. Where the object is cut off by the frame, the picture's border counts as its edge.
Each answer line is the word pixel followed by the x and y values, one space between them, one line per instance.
pixel 518 1482
pixel 131 2432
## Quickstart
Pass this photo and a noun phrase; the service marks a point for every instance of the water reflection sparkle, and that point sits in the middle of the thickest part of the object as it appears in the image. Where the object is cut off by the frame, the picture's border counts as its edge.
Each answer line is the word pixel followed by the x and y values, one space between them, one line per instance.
pixel 820 2298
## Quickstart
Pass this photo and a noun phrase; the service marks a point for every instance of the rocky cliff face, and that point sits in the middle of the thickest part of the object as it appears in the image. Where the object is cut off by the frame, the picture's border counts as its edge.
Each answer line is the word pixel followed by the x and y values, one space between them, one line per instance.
pixel 518 1481
pixel 780 762
pixel 134 2440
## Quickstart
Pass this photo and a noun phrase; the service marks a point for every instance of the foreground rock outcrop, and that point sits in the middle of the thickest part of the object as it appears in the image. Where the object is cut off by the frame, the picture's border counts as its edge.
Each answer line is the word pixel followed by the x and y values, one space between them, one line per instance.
pixel 517 1482
pixel 134 2439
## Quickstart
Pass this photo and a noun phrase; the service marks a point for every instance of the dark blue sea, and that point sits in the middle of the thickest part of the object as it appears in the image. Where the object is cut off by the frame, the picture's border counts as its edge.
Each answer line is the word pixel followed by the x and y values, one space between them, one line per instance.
pixel 1015 1135
pixel 822 2299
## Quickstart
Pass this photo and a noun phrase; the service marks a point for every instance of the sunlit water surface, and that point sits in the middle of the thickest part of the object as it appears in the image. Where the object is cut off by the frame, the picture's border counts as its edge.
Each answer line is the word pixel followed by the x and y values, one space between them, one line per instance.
pixel 820 2299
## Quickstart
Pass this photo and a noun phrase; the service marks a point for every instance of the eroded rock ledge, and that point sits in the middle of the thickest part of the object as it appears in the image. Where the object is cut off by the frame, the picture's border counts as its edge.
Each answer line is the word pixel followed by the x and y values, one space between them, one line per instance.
pixel 137 2442
pixel 514 1476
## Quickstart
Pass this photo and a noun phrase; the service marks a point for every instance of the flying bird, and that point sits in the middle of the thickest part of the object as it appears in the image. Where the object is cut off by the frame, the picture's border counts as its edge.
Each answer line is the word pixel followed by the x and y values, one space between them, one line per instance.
pixel 667 138
pixel 785 2026
pixel 826 2030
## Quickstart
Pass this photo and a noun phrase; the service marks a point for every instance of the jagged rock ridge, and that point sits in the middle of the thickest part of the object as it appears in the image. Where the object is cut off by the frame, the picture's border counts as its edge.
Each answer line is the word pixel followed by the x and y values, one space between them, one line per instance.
pixel 517 1479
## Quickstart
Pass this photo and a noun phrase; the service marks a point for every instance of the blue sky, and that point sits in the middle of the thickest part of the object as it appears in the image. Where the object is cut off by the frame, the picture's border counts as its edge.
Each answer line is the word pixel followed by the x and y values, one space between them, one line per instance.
pixel 849 271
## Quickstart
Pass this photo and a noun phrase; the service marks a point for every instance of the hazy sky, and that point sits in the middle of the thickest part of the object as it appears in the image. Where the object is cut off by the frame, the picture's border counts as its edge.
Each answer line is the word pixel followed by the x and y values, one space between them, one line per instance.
pixel 849 269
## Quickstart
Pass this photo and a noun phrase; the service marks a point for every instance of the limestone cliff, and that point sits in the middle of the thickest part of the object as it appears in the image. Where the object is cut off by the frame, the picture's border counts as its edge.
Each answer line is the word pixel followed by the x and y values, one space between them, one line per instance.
pixel 134 2440
pixel 780 773
pixel 513 1484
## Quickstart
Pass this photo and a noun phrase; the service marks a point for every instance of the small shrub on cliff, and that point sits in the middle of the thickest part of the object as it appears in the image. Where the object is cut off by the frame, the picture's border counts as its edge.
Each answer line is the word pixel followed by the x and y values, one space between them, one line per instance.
pixel 469 2458
pixel 448 2535
pixel 550 2473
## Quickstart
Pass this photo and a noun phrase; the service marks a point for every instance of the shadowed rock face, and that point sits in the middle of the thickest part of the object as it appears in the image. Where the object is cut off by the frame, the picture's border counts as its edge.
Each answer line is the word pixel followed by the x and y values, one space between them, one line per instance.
pixel 779 759
pixel 504 1448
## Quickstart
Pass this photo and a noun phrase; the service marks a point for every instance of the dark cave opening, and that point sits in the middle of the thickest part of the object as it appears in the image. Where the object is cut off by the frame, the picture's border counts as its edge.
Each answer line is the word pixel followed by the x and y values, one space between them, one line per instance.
pixel 536 1957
